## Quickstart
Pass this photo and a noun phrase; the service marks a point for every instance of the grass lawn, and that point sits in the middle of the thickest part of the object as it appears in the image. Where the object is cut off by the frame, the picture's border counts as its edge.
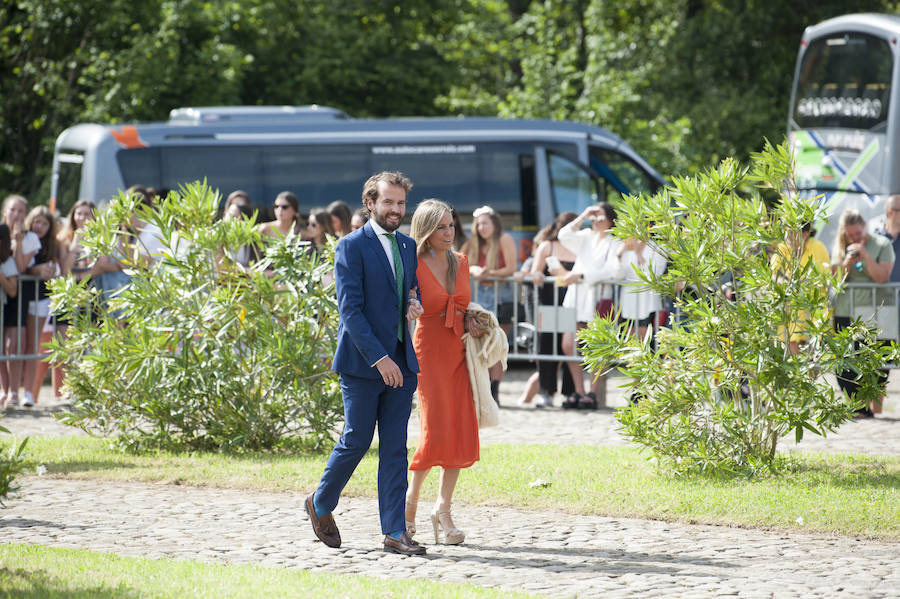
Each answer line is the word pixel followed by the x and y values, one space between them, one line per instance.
pixel 843 494
pixel 51 573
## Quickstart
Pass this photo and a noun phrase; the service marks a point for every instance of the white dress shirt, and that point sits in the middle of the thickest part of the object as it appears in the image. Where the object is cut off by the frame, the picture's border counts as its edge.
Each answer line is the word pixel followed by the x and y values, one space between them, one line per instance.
pixel 385 242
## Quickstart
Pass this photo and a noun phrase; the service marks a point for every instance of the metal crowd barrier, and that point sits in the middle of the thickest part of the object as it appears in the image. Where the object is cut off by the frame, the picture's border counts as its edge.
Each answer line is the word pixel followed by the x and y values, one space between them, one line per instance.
pixel 878 305
pixel 530 319
pixel 20 339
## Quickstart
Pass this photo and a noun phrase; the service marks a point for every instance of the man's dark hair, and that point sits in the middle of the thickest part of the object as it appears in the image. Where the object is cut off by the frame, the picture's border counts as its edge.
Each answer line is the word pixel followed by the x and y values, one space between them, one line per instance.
pixel 370 188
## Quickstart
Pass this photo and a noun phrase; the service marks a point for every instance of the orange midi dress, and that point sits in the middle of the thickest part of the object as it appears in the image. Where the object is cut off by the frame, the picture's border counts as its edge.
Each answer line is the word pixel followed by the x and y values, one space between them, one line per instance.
pixel 447 422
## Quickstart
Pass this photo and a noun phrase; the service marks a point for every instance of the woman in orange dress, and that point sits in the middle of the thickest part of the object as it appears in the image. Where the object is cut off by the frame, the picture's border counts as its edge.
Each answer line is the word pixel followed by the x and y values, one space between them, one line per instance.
pixel 448 424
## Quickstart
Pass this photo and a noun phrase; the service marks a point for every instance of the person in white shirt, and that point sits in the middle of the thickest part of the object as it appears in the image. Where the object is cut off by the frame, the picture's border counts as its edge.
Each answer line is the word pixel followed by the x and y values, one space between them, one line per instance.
pixel 596 259
pixel 636 304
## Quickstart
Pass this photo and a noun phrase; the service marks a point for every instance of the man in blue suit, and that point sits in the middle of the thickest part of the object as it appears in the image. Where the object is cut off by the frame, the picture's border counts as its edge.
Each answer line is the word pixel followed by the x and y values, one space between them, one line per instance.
pixel 374 271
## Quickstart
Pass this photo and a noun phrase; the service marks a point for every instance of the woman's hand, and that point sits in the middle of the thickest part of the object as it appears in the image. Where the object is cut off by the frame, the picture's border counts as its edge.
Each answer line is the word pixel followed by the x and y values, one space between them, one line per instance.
pixel 473 328
pixel 854 253
pixel 568 278
pixel 590 211
pixel 477 272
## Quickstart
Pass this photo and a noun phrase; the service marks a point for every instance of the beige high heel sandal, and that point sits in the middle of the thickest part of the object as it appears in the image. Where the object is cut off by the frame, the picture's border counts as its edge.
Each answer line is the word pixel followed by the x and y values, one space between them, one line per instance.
pixel 410 526
pixel 452 536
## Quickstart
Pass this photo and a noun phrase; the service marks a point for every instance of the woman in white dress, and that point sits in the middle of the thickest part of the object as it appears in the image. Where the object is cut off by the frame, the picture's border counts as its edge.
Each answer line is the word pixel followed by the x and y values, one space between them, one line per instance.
pixel 636 304
pixel 596 259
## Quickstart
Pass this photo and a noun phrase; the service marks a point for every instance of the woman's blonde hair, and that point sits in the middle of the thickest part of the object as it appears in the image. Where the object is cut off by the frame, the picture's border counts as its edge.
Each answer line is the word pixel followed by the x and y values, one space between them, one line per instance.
pixel 491 247
pixel 425 221
pixel 850 216
pixel 11 199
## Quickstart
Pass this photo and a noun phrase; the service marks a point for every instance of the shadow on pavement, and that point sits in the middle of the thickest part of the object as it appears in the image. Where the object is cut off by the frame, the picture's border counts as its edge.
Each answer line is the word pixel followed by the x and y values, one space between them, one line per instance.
pixel 29 523
pixel 589 561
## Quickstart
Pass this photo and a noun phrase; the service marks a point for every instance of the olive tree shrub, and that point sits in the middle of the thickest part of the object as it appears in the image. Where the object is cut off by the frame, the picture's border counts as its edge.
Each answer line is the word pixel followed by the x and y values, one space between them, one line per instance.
pixel 721 386
pixel 12 461
pixel 197 351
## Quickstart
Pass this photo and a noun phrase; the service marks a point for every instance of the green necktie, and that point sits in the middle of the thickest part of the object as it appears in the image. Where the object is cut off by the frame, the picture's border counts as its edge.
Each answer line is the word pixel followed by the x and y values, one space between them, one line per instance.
pixel 398 275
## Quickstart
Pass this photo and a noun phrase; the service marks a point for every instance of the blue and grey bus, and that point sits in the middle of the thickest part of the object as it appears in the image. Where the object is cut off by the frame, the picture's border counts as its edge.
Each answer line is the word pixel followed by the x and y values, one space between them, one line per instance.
pixel 843 124
pixel 527 170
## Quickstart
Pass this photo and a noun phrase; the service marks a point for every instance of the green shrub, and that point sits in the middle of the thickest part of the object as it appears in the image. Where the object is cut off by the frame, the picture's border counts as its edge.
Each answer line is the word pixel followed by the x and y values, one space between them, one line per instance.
pixel 11 464
pixel 207 354
pixel 721 387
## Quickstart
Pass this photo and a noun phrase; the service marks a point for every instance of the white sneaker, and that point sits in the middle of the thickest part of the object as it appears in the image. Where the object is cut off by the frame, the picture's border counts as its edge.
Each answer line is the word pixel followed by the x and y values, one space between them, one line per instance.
pixel 12 399
pixel 544 401
pixel 29 400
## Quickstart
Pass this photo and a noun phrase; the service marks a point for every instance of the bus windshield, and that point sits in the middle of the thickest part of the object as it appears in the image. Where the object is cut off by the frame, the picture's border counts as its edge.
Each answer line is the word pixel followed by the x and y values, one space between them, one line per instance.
pixel 844 81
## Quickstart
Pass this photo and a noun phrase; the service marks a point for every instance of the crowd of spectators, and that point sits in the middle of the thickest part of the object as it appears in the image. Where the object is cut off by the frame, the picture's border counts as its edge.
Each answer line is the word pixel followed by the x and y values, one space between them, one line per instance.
pixel 573 262
pixel 36 242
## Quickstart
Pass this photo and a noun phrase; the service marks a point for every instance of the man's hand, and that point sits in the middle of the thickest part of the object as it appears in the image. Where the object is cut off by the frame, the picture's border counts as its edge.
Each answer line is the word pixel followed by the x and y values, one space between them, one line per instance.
pixel 390 372
pixel 414 307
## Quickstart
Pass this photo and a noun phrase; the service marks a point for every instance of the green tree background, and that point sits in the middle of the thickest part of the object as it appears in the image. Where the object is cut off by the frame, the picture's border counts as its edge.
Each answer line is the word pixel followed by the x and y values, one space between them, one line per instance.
pixel 686 82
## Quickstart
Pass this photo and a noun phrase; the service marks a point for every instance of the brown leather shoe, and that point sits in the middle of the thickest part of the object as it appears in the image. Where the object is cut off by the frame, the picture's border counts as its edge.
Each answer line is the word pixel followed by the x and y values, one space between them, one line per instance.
pixel 404 545
pixel 324 527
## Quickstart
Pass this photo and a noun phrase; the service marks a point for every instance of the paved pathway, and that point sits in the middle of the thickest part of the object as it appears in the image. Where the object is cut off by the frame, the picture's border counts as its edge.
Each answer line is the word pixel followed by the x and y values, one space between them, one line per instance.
pixel 548 554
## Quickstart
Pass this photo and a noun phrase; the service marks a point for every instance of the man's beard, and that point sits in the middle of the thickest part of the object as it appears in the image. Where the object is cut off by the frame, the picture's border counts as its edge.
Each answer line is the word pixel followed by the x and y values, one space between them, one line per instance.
pixel 384 224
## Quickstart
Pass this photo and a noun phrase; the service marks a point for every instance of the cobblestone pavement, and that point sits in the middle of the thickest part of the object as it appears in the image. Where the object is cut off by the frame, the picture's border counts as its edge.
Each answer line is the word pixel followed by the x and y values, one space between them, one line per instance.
pixel 544 553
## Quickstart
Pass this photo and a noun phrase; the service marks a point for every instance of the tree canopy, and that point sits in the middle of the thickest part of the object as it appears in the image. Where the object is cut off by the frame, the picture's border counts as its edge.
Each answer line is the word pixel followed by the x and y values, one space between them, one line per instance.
pixel 686 82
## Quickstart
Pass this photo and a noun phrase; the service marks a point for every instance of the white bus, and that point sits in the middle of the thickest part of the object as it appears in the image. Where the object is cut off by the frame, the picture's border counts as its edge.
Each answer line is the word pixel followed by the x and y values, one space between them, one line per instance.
pixel 843 123
pixel 527 170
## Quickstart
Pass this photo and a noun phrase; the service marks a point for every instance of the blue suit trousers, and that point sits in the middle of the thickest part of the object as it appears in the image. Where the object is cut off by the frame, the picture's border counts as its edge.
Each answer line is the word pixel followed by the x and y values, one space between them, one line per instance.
pixel 369 403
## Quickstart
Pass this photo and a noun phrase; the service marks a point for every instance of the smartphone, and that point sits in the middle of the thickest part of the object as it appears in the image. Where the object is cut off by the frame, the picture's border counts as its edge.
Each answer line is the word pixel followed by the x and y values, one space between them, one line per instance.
pixel 553 263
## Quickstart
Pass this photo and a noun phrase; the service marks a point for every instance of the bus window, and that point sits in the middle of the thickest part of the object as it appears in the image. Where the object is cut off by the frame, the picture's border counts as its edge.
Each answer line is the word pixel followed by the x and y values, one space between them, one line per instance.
pixel 140 166
pixel 468 176
pixel 572 186
pixel 225 168
pixel 318 174
pixel 449 172
pixel 69 184
pixel 619 175
pixel 844 81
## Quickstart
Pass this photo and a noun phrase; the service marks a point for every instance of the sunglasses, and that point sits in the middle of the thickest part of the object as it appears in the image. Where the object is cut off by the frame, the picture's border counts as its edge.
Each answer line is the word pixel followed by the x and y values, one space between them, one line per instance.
pixel 281 206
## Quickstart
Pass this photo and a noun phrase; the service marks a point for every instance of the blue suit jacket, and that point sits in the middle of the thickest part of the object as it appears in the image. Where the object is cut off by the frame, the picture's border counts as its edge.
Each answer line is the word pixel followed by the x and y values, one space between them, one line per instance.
pixel 367 302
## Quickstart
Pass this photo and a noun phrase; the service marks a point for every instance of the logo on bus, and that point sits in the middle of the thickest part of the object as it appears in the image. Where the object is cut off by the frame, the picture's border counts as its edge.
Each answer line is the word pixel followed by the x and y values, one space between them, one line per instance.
pixel 128 137
pixel 868 108
pixel 438 149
